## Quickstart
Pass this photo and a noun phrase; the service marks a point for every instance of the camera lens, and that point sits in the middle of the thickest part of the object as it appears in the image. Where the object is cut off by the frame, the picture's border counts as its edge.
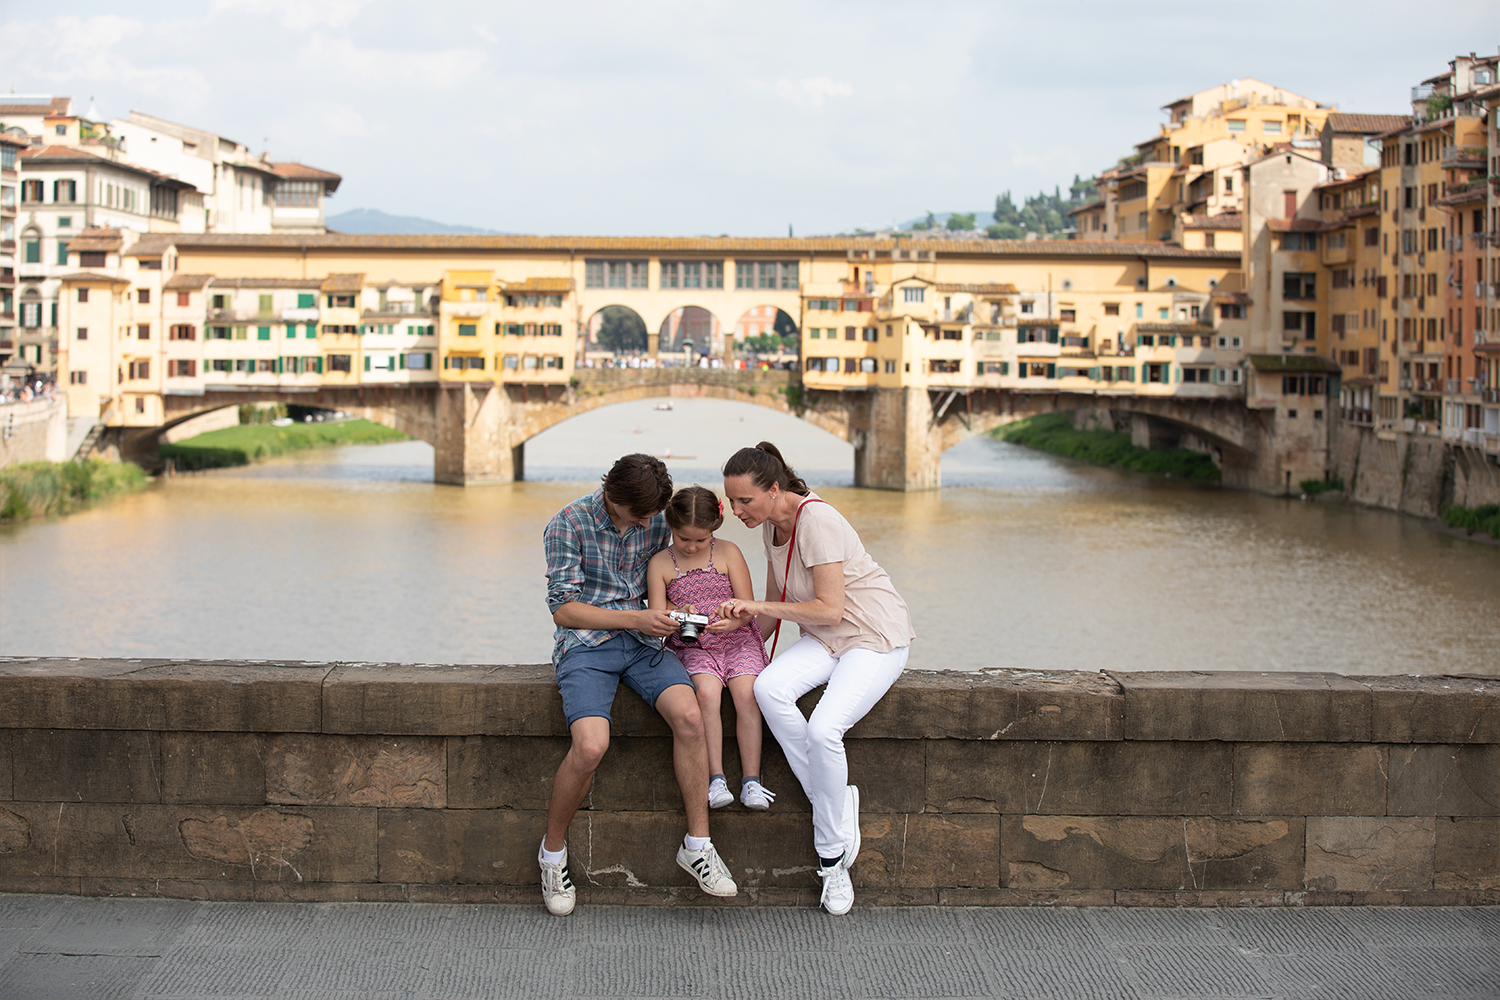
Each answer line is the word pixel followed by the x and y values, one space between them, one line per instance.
pixel 688 632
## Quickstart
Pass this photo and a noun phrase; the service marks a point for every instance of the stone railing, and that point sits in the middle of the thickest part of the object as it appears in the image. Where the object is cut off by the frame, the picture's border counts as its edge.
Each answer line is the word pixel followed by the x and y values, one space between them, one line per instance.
pixel 220 780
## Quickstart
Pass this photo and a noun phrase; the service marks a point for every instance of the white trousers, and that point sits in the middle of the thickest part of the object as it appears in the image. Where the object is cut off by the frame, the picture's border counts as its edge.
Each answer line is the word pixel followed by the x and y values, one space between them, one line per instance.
pixel 815 746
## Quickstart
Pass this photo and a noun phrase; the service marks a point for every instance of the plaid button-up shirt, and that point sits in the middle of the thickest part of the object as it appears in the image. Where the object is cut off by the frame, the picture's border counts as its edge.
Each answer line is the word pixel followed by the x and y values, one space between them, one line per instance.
pixel 590 562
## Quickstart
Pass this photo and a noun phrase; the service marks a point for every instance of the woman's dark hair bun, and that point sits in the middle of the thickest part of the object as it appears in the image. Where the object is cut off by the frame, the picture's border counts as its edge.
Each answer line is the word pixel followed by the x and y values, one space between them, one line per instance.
pixel 765 466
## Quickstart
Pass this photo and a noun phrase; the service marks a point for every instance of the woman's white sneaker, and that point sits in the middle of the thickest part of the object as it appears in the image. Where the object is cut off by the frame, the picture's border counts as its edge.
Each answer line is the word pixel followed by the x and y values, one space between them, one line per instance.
pixel 557 888
pixel 838 891
pixel 719 794
pixel 754 795
pixel 710 871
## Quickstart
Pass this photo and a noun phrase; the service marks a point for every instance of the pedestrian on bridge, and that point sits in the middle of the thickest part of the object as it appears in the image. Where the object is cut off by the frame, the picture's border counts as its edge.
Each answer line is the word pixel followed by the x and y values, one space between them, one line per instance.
pixel 856 632
pixel 597 550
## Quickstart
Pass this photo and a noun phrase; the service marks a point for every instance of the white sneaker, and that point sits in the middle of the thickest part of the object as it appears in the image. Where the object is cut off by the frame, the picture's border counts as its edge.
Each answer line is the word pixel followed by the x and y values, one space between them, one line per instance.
pixel 710 871
pixel 838 891
pixel 719 794
pixel 851 825
pixel 557 888
pixel 754 795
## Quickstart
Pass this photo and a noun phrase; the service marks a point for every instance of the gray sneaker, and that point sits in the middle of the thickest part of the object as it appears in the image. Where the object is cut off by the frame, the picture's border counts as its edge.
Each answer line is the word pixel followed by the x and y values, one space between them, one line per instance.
pixel 851 826
pixel 557 888
pixel 710 871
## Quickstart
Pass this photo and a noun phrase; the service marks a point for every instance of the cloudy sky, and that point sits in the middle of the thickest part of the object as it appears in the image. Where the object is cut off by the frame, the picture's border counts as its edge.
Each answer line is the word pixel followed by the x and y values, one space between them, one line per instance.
pixel 708 117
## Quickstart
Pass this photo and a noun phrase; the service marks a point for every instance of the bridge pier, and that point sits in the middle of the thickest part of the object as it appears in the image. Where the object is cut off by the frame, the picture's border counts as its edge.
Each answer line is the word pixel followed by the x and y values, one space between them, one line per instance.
pixel 895 438
pixel 473 445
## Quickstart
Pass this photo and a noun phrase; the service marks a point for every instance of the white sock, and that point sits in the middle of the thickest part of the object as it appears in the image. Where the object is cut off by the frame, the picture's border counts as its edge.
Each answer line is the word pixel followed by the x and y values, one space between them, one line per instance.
pixel 554 857
pixel 693 843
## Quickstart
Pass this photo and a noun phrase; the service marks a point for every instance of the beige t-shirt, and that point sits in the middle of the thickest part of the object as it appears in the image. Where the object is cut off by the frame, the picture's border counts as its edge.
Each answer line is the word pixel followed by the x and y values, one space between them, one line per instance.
pixel 875 616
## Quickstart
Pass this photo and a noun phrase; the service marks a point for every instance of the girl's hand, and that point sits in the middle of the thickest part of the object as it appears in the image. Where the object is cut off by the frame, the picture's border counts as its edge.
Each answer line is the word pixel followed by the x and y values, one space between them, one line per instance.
pixel 721 625
pixel 687 609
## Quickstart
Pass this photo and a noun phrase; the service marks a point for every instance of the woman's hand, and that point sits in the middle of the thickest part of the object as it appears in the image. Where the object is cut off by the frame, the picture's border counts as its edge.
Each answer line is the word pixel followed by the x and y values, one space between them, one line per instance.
pixel 739 610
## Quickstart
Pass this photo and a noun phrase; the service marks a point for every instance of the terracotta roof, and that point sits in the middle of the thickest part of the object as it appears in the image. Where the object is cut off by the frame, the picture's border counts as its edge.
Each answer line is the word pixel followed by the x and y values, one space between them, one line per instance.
pixel 1034 321
pixel 723 244
pixel 79 154
pixel 1096 203
pixel 150 245
pixel 13 140
pixel 268 283
pixel 1189 328
pixel 57 108
pixel 1365 124
pixel 187 282
pixel 551 285
pixel 1236 298
pixel 97 239
pixel 1360 211
pixel 1361 380
pixel 1298 225
pixel 1294 363
pixel 93 276
pixel 981 289
pixel 1463 193
pixel 302 172
pixel 1224 220
pixel 343 282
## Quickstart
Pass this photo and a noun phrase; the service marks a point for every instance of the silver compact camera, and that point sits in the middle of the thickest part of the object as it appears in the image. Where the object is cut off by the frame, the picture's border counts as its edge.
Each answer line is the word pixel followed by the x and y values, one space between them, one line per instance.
pixel 689 627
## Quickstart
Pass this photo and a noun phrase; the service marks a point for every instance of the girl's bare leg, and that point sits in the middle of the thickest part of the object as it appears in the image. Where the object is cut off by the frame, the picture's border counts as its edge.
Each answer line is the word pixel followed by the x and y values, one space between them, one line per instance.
pixel 747 728
pixel 710 691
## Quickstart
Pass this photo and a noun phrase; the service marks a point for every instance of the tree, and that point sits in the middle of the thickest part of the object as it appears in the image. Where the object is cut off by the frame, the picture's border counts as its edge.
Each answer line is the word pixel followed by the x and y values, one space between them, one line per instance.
pixel 958 221
pixel 1005 231
pixel 621 330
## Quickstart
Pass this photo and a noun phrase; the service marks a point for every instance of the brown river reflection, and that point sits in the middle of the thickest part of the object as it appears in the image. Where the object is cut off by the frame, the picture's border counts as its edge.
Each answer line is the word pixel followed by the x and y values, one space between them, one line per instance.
pixel 1021 560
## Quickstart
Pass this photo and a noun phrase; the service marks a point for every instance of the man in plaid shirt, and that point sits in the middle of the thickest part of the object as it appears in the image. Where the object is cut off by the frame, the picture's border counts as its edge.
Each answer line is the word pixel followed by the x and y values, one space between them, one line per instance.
pixel 597 549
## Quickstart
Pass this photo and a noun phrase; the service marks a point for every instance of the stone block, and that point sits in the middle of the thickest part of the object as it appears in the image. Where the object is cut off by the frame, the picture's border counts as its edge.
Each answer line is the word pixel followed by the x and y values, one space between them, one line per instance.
pixel 1369 853
pixel 636 774
pixel 629 849
pixel 503 772
pixel 997 704
pixel 1085 778
pixel 1166 899
pixel 1433 779
pixel 224 769
pixel 144 841
pixel 6 741
pixel 380 699
pixel 769 850
pixel 87 765
pixel 1441 709
pixel 1024 897
pixel 1244 706
pixel 469 846
pixel 394 771
pixel 928 849
pixel 161 695
pixel 1183 853
pixel 1310 779
pixel 206 890
pixel 1468 854
pixel 329 892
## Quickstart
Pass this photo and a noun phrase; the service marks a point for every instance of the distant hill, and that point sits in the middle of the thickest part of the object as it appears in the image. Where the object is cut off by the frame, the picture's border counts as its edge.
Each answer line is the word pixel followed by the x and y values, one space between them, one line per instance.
pixel 372 220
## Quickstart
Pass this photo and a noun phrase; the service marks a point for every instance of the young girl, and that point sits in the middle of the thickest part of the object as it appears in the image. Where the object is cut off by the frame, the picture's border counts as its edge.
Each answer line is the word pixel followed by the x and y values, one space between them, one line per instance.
pixel 696 574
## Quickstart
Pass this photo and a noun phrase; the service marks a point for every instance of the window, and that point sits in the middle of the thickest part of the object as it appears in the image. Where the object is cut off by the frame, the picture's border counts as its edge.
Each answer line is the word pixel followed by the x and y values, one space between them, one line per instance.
pixel 32 191
pixel 1163 313
pixel 779 274
pixel 143 331
pixel 83 333
pixel 83 295
pixel 867 365
pixel 1196 374
pixel 1299 285
pixel 909 294
pixel 340 302
pixel 33 251
pixel 1303 323
pixel 614 274
pixel 1140 310
pixel 943 367
pixel 143 296
pixel 1235 125
pixel 1069 315
pixel 263 333
pixel 1111 308
pixel 1372 236
pixel 871 333
pixel 296 194
pixel 1271 128
pixel 139 369
pixel 421 361
pixel 78 378
pixel 339 362
pixel 468 329
pixel 186 368
pixel 182 332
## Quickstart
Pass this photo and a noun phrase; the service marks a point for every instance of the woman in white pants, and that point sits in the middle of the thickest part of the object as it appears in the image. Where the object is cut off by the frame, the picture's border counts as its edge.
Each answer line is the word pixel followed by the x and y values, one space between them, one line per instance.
pixel 856 631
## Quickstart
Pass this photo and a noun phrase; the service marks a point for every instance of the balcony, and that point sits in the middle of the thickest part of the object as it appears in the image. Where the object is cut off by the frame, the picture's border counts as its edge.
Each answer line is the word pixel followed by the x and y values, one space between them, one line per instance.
pixel 1365 418
pixel 1428 385
pixel 1472 157
pixel 1489 395
pixel 309 315
pixel 1453 386
pixel 1474 437
pixel 1406 383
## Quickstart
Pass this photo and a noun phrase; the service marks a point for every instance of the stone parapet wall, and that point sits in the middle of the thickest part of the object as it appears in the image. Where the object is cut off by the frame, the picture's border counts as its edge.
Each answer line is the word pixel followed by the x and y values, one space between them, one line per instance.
pixel 33 431
pixel 254 780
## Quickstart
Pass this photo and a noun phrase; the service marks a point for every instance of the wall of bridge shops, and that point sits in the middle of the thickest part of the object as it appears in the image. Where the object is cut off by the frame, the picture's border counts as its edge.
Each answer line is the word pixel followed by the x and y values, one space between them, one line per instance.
pixel 1416 474
pixel 430 783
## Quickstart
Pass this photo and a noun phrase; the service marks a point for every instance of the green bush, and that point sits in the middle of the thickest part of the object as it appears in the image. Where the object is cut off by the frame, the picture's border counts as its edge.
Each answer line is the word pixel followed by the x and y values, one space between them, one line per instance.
pixel 1485 518
pixel 1055 433
pixel 1312 487
pixel 249 442
pixel 35 489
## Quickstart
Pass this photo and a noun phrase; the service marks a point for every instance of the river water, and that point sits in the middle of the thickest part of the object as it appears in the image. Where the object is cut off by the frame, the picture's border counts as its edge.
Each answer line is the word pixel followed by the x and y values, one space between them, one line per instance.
pixel 1021 560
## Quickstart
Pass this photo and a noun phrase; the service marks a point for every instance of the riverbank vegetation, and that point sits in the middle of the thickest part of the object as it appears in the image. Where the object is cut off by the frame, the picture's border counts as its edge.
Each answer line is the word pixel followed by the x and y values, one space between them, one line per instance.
pixel 248 442
pixel 1485 518
pixel 35 489
pixel 1054 433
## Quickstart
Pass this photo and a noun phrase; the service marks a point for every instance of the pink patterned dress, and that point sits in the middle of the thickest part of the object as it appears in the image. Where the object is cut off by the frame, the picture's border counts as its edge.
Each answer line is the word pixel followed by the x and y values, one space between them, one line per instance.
pixel 732 654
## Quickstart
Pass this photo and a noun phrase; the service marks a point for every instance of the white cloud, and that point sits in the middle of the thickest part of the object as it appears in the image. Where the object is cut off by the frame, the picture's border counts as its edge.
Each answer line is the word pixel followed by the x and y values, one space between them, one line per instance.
pixel 809 92
pixel 298 13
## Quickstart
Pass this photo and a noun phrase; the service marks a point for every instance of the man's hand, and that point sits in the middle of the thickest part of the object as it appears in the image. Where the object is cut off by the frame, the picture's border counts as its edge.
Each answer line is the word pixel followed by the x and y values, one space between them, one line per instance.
pixel 656 623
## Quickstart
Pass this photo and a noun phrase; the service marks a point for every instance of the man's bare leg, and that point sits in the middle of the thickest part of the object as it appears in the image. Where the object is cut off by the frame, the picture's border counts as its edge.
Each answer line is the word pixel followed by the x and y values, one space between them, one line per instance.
pixel 678 705
pixel 574 776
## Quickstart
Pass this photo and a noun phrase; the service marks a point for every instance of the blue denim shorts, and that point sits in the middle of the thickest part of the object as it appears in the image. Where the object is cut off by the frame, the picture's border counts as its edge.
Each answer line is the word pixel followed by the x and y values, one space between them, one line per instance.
pixel 588 676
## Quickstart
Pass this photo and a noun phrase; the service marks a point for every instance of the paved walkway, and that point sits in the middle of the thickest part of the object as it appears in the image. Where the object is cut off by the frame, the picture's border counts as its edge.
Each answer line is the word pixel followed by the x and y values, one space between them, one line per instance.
pixel 62 946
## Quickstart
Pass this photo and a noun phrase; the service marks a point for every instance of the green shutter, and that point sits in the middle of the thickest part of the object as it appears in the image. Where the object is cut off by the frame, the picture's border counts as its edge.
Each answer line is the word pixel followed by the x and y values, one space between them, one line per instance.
pixel 401 361
pixel 367 362
pixel 306 300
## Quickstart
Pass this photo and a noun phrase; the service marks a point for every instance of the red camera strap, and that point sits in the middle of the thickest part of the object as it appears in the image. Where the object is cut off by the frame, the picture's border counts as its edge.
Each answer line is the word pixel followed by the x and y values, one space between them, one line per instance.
pixel 786 574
